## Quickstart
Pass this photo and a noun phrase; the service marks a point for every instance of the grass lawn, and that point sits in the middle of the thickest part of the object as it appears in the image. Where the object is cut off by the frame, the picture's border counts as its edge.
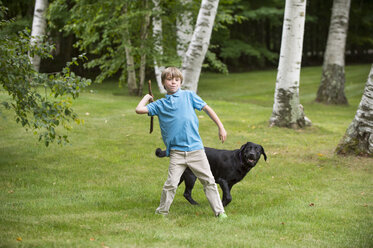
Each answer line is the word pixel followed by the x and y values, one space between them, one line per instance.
pixel 102 189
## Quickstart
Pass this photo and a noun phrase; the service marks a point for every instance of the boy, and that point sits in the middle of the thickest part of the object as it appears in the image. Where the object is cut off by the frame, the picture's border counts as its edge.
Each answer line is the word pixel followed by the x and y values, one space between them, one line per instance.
pixel 179 128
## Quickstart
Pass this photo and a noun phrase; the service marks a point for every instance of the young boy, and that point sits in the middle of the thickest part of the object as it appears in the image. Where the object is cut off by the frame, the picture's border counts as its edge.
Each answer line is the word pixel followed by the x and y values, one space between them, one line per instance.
pixel 179 127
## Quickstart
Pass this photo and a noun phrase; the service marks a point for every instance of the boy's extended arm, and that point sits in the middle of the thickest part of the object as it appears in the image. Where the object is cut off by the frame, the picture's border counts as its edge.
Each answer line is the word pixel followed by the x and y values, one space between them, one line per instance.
pixel 211 113
pixel 141 107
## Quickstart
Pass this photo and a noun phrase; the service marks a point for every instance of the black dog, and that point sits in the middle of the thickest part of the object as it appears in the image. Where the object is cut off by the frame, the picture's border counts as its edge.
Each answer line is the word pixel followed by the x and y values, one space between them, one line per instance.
pixel 228 168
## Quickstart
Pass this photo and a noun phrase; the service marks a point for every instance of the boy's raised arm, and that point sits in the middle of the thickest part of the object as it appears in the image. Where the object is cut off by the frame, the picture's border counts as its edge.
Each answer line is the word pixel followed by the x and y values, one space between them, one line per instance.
pixel 141 107
pixel 211 113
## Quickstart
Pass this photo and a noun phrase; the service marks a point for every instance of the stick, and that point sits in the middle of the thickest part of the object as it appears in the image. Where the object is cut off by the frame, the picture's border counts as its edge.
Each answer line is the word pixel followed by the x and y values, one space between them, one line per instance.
pixel 152 117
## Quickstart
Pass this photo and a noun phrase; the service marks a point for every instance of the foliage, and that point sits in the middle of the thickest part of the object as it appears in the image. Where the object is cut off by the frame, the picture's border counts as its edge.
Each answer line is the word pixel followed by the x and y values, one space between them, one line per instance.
pixel 243 30
pixel 361 26
pixel 15 10
pixel 100 28
pixel 255 24
pixel 215 63
pixel 34 110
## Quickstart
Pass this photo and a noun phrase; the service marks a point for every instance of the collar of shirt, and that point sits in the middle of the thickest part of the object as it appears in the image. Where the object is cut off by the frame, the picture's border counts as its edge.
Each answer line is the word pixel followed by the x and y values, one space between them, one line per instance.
pixel 177 93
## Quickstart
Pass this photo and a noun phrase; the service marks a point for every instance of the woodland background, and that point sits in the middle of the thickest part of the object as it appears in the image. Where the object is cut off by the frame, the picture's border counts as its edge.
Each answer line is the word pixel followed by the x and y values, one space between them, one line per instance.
pixel 246 34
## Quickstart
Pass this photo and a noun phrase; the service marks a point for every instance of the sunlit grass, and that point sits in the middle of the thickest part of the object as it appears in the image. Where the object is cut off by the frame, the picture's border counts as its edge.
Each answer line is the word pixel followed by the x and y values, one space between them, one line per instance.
pixel 102 189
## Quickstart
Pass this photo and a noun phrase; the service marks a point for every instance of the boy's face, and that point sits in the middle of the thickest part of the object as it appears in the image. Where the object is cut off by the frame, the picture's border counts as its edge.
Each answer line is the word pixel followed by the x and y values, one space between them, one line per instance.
pixel 172 84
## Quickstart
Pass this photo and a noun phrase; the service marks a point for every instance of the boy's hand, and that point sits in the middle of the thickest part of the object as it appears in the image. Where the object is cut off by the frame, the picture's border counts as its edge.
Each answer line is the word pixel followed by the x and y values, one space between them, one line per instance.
pixel 149 97
pixel 211 113
pixel 222 134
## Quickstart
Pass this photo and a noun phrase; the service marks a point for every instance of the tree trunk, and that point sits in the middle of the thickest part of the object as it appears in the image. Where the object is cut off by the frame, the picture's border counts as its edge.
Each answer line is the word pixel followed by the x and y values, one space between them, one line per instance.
pixel 157 34
pixel 287 111
pixel 39 26
pixel 131 72
pixel 331 89
pixel 68 48
pixel 184 30
pixel 358 139
pixel 199 44
pixel 144 36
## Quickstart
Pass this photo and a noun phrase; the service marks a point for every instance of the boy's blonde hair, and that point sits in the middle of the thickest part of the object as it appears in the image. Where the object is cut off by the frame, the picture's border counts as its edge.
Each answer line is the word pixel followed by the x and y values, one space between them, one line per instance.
pixel 173 72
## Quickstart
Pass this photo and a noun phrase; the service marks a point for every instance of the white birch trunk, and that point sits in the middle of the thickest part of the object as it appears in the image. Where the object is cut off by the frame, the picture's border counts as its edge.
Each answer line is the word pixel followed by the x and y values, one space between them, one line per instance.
pixel 184 30
pixel 331 89
pixel 199 44
pixel 39 26
pixel 287 111
pixel 130 62
pixel 157 35
pixel 144 36
pixel 358 139
pixel 131 73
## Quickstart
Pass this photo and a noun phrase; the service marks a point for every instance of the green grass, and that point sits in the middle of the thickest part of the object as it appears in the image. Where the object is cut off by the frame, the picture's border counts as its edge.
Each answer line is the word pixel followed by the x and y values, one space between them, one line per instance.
pixel 103 188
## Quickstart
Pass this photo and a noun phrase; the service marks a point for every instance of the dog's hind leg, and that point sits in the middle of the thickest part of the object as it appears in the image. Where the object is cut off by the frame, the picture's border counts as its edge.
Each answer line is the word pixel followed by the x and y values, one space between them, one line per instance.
pixel 190 180
pixel 188 194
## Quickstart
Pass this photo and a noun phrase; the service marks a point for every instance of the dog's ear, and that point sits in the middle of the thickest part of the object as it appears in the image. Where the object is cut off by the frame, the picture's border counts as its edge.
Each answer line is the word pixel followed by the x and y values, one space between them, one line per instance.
pixel 243 147
pixel 264 154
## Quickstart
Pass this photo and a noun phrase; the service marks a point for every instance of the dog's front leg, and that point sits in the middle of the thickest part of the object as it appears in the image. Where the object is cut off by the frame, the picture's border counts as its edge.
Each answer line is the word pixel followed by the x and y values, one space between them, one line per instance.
pixel 227 198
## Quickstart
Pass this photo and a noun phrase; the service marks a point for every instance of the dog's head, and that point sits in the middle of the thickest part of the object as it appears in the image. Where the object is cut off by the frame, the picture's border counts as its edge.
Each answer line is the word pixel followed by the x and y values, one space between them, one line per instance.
pixel 250 153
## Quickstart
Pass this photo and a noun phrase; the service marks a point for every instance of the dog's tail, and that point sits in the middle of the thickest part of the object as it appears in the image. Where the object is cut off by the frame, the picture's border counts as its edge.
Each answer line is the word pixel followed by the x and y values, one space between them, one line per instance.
pixel 159 153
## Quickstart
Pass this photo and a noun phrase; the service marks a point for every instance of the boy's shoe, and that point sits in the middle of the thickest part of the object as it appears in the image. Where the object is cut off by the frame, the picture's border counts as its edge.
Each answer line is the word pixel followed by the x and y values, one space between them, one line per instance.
pixel 222 216
pixel 162 216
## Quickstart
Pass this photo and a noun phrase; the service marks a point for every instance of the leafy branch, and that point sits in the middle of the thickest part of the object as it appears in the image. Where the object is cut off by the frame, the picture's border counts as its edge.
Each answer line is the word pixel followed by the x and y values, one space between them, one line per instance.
pixel 42 113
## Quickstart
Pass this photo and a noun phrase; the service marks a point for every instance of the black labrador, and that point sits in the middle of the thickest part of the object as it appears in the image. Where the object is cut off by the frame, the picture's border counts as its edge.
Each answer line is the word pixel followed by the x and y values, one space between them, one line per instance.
pixel 228 168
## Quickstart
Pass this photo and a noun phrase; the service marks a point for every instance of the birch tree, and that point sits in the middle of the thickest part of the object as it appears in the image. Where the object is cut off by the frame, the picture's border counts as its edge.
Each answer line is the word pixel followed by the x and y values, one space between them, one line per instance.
pixel 199 44
pixel 358 139
pixel 144 37
pixel 287 111
pixel 39 26
pixel 331 89
pixel 131 71
pixel 184 30
pixel 158 36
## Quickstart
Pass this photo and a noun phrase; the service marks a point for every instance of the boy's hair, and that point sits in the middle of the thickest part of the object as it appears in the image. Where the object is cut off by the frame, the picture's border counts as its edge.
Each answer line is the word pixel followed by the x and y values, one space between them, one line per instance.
pixel 173 72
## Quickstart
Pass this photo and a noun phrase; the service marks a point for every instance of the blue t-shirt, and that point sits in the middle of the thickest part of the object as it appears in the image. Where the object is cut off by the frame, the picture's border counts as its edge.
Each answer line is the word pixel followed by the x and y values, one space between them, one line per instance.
pixel 178 120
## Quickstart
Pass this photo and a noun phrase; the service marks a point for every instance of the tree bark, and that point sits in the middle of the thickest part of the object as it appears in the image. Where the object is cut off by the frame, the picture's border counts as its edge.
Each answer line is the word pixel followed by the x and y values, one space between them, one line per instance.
pixel 68 48
pixel 157 35
pixel 39 26
pixel 144 36
pixel 199 44
pixel 184 30
pixel 358 139
pixel 131 72
pixel 331 89
pixel 287 111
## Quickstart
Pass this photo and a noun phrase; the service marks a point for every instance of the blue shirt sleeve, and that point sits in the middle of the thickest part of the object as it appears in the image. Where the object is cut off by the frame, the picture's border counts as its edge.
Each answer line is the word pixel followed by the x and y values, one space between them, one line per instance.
pixel 197 101
pixel 152 108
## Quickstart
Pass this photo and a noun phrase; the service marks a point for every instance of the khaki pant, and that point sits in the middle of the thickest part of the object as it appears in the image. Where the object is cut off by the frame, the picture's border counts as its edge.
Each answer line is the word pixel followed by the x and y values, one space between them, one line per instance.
pixel 198 163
